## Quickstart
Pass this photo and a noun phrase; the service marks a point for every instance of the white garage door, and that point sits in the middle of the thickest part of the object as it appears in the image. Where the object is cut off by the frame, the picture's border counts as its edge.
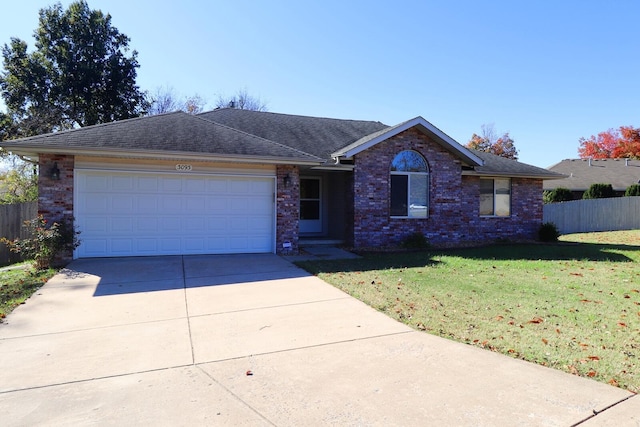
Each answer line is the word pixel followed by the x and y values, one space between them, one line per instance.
pixel 137 214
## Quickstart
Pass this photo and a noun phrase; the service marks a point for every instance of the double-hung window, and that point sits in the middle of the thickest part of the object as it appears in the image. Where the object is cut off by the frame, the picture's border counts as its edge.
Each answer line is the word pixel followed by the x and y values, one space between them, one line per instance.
pixel 409 185
pixel 495 197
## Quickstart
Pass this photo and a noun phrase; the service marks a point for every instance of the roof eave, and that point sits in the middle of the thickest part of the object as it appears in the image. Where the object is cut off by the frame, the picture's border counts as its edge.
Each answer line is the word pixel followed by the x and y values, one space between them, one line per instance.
pixel 34 151
pixel 512 175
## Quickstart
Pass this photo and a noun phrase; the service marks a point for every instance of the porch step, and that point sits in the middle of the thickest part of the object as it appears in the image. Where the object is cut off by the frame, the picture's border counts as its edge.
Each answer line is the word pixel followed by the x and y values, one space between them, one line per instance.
pixel 305 243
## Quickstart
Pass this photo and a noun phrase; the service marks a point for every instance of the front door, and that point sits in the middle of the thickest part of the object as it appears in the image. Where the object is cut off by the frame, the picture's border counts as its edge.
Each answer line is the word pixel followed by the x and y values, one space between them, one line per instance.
pixel 310 205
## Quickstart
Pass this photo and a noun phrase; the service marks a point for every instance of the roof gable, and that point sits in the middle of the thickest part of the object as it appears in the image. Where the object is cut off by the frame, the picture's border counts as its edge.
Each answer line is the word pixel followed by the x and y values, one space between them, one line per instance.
pixel 420 124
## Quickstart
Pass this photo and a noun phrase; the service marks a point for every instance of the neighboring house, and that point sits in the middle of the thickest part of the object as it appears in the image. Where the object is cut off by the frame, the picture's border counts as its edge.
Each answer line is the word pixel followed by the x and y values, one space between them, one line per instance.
pixel 239 181
pixel 582 173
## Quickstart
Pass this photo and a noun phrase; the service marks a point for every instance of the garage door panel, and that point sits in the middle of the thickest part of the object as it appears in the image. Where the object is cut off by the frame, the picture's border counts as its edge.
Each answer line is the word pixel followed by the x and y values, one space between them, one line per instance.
pixel 148 184
pixel 94 183
pixel 122 183
pixel 124 214
pixel 147 204
pixel 122 246
pixel 147 224
pixel 122 225
pixel 122 203
pixel 171 184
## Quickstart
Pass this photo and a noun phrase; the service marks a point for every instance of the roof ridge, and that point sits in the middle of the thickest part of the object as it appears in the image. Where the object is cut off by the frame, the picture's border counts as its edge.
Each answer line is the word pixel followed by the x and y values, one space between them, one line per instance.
pixel 255 136
pixel 291 115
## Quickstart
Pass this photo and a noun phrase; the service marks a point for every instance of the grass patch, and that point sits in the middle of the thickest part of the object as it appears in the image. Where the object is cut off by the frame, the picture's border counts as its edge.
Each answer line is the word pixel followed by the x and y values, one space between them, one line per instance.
pixel 18 284
pixel 573 306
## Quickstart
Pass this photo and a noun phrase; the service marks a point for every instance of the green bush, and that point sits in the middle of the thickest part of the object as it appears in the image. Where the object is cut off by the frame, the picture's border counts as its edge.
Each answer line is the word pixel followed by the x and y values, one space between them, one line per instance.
pixel 548 232
pixel 415 241
pixel 45 241
pixel 599 191
pixel 557 195
pixel 633 190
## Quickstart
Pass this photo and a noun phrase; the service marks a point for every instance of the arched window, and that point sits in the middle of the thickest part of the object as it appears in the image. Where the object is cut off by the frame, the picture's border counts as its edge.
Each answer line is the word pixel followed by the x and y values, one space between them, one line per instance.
pixel 409 185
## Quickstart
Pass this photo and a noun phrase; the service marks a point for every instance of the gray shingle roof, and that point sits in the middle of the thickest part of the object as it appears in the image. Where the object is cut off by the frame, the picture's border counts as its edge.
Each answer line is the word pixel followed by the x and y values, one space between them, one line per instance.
pixel 314 135
pixel 244 135
pixel 501 166
pixel 174 132
pixel 581 173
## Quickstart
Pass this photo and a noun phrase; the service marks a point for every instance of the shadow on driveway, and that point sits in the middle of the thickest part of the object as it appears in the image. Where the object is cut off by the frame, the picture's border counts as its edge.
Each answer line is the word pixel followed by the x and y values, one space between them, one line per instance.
pixel 116 276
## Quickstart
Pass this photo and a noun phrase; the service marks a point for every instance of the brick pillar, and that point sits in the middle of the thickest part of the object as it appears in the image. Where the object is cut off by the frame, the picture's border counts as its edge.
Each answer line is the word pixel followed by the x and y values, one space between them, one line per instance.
pixel 55 197
pixel 287 208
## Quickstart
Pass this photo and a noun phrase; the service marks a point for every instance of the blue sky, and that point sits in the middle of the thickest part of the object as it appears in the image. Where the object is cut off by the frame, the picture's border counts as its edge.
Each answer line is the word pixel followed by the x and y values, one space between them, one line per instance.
pixel 547 72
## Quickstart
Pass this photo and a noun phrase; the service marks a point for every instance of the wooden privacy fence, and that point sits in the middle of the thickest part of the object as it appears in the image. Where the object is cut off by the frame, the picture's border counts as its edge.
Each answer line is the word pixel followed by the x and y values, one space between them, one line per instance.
pixel 582 216
pixel 12 218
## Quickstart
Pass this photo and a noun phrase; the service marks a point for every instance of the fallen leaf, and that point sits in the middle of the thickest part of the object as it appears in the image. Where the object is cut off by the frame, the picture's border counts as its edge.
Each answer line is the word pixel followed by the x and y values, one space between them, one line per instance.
pixel 573 370
pixel 613 382
pixel 498 317
pixel 249 373
pixel 557 331
pixel 536 320
pixel 592 373
pixel 545 341
pixel 576 274
pixel 624 325
pixel 593 358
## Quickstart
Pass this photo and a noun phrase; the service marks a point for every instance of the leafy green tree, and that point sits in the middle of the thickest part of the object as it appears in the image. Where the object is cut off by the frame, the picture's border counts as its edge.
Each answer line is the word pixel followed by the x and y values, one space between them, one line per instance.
pixel 557 195
pixel 81 73
pixel 599 191
pixel 18 184
pixel 632 190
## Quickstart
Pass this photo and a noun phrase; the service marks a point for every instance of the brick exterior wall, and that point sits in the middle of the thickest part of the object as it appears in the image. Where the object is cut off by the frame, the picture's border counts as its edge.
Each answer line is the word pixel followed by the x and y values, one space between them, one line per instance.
pixel 453 219
pixel 55 197
pixel 287 208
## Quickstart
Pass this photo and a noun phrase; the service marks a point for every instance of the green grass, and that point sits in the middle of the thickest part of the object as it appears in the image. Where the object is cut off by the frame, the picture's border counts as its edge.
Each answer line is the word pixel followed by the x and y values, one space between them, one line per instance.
pixel 573 306
pixel 17 285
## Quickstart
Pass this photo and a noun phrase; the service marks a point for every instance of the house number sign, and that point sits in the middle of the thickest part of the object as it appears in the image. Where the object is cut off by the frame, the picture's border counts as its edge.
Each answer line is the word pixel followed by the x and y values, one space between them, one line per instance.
pixel 183 167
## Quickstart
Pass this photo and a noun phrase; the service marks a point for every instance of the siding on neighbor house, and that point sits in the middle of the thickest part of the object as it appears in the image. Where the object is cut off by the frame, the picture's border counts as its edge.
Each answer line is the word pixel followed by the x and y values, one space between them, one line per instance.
pixel 454 218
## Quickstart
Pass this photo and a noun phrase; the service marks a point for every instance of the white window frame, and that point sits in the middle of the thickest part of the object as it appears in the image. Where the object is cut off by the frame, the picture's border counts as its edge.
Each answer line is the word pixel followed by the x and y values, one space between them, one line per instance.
pixel 495 197
pixel 423 211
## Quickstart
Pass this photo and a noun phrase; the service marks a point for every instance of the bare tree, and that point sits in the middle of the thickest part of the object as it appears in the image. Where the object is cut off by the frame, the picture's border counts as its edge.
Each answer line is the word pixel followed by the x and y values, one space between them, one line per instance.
pixel 165 100
pixel 242 100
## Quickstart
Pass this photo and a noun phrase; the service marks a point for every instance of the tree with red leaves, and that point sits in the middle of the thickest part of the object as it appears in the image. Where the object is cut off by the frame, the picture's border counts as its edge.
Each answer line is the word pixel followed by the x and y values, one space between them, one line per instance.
pixel 489 142
pixel 612 144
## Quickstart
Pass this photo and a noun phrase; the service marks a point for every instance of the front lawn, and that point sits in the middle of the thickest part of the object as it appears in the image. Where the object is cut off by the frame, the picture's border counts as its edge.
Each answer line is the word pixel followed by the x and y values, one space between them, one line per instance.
pixel 573 306
pixel 18 284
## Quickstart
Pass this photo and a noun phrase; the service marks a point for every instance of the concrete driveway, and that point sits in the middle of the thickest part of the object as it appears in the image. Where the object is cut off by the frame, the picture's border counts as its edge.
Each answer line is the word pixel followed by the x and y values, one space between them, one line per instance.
pixel 253 340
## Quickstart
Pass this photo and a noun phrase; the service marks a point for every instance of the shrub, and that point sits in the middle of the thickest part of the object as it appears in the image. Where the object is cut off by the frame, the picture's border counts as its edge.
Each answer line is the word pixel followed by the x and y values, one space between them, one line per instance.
pixel 557 195
pixel 45 241
pixel 632 190
pixel 415 241
pixel 599 191
pixel 548 232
